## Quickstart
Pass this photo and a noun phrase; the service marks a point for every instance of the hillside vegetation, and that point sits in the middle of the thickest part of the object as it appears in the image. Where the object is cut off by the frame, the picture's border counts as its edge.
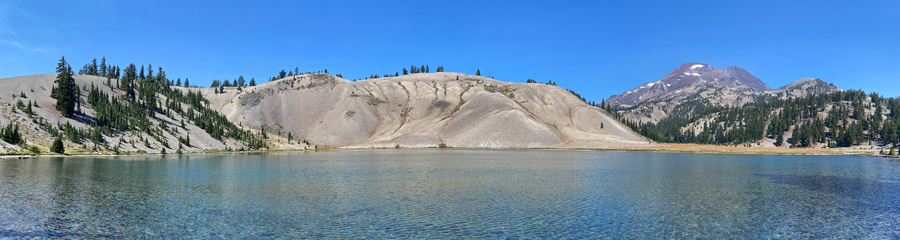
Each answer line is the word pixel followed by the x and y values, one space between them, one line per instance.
pixel 108 109
pixel 823 120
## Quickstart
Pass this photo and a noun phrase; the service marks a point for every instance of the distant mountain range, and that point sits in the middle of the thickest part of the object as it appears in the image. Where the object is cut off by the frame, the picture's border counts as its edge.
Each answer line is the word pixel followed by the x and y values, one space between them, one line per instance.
pixel 701 84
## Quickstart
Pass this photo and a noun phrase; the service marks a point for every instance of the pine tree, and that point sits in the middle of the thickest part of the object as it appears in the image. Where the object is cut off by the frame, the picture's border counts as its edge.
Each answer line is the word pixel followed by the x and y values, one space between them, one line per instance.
pixel 10 134
pixel 148 95
pixel 186 83
pixel 141 77
pixel 57 146
pixel 149 72
pixel 94 67
pixel 65 92
pixel 161 77
pixel 477 72
pixel 127 82
pixel 252 82
pixel 29 110
pixel 103 67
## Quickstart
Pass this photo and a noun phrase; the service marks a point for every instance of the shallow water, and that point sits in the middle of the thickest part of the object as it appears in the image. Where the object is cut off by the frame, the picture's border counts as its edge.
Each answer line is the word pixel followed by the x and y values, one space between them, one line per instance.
pixel 452 193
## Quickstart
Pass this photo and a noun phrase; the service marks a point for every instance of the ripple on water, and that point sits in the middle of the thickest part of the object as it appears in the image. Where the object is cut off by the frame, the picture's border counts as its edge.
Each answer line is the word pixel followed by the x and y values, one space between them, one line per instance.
pixel 436 193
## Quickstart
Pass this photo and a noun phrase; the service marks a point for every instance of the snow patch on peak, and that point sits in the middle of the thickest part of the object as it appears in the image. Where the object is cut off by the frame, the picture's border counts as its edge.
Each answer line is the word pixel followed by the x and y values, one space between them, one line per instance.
pixel 695 66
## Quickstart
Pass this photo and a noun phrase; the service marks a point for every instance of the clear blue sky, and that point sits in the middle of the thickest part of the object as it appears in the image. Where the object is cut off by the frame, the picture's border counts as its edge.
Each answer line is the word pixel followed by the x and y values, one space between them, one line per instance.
pixel 597 48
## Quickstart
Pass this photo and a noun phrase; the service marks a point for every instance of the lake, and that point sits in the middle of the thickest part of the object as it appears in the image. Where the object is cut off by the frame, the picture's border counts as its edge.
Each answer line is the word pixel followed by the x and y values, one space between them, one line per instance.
pixel 451 193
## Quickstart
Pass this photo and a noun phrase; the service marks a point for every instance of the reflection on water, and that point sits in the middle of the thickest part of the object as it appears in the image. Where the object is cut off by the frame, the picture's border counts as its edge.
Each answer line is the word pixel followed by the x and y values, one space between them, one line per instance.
pixel 440 193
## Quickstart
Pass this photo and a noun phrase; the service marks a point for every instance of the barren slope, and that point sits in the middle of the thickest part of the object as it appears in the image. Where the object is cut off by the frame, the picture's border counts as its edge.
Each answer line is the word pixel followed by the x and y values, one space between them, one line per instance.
pixel 422 110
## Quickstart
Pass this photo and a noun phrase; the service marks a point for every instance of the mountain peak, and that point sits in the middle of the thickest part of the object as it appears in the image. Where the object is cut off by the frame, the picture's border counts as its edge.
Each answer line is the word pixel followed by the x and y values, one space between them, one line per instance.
pixel 690 74
pixel 798 82
pixel 805 86
pixel 745 78
pixel 692 66
pixel 689 69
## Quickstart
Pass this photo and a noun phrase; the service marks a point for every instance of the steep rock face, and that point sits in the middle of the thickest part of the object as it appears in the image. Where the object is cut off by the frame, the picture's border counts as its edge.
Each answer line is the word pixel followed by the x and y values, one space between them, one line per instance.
pixel 422 110
pixel 690 76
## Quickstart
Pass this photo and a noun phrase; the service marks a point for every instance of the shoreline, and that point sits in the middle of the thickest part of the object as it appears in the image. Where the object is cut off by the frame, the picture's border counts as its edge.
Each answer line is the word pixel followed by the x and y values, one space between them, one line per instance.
pixel 675 148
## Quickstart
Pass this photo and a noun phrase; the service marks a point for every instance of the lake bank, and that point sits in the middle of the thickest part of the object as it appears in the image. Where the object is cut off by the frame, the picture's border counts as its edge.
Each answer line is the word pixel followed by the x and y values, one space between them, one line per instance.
pixel 660 147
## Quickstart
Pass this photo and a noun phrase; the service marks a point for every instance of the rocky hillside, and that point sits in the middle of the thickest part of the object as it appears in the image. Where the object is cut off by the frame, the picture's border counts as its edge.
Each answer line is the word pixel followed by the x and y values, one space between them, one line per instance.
pixel 804 87
pixel 26 104
pixel 422 110
pixel 694 87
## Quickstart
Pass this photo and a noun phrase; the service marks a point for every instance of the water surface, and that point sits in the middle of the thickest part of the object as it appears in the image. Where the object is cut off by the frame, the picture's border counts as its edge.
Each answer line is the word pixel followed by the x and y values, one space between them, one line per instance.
pixel 452 193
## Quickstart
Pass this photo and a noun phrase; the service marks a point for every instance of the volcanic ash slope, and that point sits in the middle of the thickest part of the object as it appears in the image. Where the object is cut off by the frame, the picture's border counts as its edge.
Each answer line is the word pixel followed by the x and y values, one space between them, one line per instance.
pixel 422 110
